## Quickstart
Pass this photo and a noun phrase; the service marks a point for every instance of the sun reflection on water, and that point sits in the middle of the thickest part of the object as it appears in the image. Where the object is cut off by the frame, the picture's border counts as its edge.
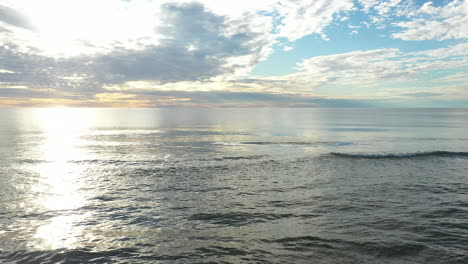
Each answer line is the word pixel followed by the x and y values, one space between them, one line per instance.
pixel 61 180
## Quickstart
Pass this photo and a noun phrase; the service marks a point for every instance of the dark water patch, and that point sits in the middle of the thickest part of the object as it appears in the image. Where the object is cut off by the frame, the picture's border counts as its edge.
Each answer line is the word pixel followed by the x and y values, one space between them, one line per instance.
pixel 358 129
pixel 447 212
pixel 287 204
pixel 391 250
pixel 275 143
pixel 252 157
pixel 221 251
pixel 77 256
pixel 192 132
pixel 237 218
pixel 433 188
pixel 295 143
pixel 105 198
pixel 119 162
pixel 221 188
pixel 30 161
pixel 303 242
pixel 437 138
pixel 447 154
pixel 173 171
pixel 350 247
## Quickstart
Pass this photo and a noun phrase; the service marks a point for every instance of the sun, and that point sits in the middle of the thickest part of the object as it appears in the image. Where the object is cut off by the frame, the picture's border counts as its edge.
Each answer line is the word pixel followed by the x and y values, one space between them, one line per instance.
pixel 88 27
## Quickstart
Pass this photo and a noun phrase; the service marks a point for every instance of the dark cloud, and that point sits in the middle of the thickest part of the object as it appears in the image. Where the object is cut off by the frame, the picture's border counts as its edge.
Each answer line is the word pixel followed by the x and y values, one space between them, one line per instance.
pixel 41 72
pixel 23 93
pixel 196 46
pixel 38 94
pixel 15 18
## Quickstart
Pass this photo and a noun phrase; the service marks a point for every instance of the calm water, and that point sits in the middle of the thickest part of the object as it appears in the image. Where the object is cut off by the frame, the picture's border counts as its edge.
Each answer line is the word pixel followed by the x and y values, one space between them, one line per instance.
pixel 233 185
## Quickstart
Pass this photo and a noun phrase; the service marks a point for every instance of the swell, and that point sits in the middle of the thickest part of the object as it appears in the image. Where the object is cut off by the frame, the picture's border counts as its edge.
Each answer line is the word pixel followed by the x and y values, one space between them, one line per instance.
pixel 447 154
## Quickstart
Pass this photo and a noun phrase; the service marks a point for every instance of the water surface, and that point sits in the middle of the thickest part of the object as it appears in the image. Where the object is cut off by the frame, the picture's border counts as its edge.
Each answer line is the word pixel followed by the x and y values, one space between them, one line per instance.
pixel 234 185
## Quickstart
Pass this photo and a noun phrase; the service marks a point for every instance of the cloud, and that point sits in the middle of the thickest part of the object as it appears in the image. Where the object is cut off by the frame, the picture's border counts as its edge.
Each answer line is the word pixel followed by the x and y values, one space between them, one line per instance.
pixel 377 66
pixel 352 71
pixel 40 72
pixel 97 27
pixel 149 53
pixel 382 12
pixel 302 18
pixel 15 18
pixel 449 21
pixel 386 8
pixel 364 67
pixel 357 72
pixel 415 22
pixel 294 19
pixel 197 45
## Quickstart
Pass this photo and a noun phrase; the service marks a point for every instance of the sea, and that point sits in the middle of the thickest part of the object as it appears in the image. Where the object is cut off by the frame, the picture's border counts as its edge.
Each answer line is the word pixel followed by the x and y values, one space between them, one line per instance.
pixel 82 185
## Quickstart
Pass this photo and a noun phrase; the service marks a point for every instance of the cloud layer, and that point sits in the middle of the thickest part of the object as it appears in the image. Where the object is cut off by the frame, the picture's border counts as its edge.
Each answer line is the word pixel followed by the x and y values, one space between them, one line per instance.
pixel 166 53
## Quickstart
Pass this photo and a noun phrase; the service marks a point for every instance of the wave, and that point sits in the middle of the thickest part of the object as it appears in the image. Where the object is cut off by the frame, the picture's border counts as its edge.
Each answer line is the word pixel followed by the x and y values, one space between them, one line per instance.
pixel 401 155
pixel 282 143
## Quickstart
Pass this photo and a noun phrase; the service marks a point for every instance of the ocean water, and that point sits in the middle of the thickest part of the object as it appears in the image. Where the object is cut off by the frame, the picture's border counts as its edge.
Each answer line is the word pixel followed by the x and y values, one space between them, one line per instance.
pixel 233 185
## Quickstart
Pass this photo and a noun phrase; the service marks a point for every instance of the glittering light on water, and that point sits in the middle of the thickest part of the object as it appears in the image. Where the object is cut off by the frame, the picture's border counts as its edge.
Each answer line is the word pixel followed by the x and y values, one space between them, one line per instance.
pixel 60 184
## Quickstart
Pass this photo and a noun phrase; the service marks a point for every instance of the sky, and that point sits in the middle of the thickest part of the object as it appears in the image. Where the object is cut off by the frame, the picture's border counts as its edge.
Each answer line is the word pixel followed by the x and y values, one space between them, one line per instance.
pixel 243 53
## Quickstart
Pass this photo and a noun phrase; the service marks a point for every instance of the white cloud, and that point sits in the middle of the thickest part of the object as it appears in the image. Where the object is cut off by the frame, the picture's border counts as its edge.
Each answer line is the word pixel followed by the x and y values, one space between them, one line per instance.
pixel 370 69
pixel 419 22
pixel 454 78
pixel 356 65
pixel 302 18
pixel 449 21
pixel 386 8
pixel 353 26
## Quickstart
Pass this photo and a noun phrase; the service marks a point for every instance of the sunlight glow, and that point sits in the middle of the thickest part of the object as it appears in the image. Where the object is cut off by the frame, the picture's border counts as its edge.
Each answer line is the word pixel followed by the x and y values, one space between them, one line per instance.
pixel 60 184
pixel 73 28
